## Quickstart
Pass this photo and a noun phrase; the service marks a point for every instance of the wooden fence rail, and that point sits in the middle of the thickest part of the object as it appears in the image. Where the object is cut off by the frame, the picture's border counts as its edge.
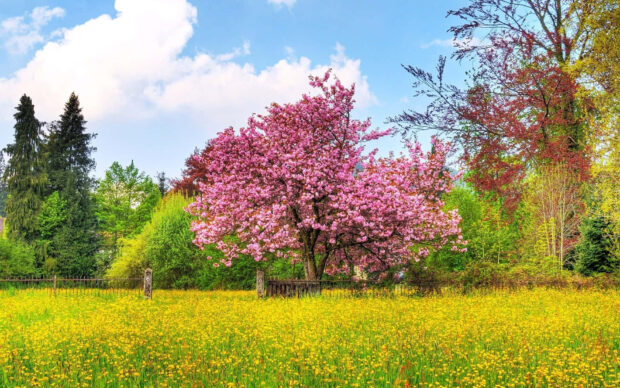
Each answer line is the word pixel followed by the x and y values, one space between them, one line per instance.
pixel 338 288
pixel 348 288
pixel 84 285
pixel 290 288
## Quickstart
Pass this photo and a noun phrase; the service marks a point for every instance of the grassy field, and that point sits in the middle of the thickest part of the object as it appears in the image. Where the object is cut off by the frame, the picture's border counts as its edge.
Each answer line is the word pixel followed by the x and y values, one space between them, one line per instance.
pixel 525 338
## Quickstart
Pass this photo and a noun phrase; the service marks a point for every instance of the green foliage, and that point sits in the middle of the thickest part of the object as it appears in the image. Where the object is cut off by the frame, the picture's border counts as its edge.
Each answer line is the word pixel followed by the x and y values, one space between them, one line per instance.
pixel 72 241
pixel 542 265
pixel 490 236
pixel 16 259
pixel 595 250
pixel 3 186
pixel 125 201
pixel 166 245
pixel 61 249
pixel 53 216
pixel 69 151
pixel 425 276
pixel 169 249
pixel 24 174
pixel 482 274
pixel 132 261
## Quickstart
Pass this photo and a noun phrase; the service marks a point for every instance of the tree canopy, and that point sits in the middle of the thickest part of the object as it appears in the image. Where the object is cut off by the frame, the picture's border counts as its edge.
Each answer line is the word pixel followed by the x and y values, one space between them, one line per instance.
pixel 295 183
pixel 125 199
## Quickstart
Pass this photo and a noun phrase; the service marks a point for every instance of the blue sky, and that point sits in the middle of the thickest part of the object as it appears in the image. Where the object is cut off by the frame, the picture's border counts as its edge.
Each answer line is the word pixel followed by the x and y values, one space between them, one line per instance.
pixel 157 78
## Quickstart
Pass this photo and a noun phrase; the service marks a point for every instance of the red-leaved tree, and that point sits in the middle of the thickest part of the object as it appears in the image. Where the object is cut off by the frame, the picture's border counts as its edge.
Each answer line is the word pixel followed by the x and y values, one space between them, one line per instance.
pixel 516 118
pixel 520 110
pixel 531 121
pixel 295 183
pixel 193 174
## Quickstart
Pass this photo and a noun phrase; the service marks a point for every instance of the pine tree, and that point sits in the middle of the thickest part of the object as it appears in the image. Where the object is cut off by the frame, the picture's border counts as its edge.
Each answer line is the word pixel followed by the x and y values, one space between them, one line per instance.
pixel 69 164
pixel 24 174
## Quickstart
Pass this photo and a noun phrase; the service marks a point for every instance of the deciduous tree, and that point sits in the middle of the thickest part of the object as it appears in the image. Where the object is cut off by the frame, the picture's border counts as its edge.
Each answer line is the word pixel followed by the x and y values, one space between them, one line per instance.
pixel 125 199
pixel 521 108
pixel 555 198
pixel 602 67
pixel 194 173
pixel 295 183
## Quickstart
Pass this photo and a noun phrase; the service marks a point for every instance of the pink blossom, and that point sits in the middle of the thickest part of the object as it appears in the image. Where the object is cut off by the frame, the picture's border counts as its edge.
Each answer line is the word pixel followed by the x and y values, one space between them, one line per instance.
pixel 295 183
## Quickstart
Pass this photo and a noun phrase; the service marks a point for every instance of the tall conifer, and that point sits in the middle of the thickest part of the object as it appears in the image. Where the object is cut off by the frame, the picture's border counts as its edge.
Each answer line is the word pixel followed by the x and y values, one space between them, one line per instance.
pixel 24 174
pixel 3 186
pixel 69 165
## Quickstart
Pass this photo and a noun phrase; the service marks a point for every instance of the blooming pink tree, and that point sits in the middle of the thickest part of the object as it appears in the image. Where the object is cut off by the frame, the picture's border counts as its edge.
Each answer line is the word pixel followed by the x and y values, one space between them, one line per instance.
pixel 295 183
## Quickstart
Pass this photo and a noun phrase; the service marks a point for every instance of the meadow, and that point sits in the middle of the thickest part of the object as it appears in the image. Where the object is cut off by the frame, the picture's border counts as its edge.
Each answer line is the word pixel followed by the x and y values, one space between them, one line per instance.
pixel 534 337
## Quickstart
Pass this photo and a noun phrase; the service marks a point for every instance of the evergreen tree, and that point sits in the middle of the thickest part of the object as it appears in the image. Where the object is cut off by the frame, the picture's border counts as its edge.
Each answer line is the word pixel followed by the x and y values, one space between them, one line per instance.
pixel 595 248
pixel 69 164
pixel 3 186
pixel 162 183
pixel 24 174
pixel 69 151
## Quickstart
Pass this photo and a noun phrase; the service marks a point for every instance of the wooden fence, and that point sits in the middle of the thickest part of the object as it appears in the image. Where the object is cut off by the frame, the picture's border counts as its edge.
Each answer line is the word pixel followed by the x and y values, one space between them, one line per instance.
pixel 76 286
pixel 347 288
pixel 340 288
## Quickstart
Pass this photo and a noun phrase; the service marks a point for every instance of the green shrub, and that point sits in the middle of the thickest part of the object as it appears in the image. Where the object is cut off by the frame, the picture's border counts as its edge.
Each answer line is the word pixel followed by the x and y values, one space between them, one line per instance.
pixel 482 274
pixel 490 236
pixel 537 265
pixel 425 277
pixel 131 261
pixel 165 244
pixel 16 259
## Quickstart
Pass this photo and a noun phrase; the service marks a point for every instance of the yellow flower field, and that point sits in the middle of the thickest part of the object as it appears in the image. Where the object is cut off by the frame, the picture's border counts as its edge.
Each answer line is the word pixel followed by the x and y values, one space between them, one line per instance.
pixel 188 338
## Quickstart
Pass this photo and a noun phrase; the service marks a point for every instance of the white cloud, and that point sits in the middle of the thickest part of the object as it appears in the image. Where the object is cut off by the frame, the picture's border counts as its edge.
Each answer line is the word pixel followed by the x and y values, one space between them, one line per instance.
pixel 451 43
pixel 130 66
pixel 222 91
pixel 237 52
pixel 42 15
pixel 13 25
pixel 279 3
pixel 21 35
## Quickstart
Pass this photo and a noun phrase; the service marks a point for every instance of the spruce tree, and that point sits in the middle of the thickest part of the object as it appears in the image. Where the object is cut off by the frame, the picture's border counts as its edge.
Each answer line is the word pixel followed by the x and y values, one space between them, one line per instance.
pixel 69 165
pixel 595 249
pixel 3 186
pixel 24 174
pixel 162 183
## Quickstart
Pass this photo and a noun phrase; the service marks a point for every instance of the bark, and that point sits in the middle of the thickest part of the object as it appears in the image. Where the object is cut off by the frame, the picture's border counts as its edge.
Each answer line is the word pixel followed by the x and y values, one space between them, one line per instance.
pixel 310 270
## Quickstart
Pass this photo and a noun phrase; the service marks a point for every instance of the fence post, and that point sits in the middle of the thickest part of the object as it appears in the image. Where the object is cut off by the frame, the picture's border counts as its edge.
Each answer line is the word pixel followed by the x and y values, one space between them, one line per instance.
pixel 260 283
pixel 54 280
pixel 148 283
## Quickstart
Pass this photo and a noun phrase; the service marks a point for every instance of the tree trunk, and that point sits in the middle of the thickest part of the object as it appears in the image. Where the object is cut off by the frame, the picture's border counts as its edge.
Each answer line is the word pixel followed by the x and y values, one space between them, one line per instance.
pixel 310 269
pixel 309 266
